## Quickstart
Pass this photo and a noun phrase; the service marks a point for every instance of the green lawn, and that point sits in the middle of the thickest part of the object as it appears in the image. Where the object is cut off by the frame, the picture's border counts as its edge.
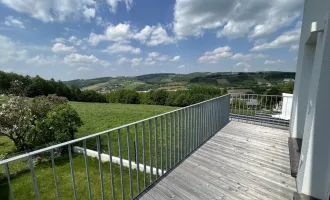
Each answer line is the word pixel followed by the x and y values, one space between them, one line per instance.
pixel 96 117
pixel 23 187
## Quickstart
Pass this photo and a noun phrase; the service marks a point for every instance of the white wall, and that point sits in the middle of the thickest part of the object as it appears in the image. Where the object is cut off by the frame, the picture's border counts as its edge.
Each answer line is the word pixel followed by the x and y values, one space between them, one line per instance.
pixel 314 168
pixel 314 10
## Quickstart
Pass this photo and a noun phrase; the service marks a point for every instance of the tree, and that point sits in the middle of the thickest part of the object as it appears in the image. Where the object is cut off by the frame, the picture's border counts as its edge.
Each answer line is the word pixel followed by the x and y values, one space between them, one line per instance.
pixel 41 121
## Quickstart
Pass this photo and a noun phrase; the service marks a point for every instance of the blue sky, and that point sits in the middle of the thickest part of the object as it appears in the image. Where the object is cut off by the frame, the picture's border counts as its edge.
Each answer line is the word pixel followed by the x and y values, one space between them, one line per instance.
pixel 65 39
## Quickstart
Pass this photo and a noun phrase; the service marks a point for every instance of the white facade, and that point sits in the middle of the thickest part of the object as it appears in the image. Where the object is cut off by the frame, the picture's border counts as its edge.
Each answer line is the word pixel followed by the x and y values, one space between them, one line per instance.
pixel 286 107
pixel 311 101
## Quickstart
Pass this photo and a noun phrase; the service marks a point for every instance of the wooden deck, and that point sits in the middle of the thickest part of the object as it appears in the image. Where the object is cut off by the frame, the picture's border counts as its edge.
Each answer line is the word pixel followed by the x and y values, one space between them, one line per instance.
pixel 242 161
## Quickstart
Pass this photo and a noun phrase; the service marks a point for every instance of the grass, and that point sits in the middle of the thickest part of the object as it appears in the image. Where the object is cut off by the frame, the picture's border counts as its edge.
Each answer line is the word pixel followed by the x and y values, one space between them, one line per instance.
pixel 96 117
pixel 23 188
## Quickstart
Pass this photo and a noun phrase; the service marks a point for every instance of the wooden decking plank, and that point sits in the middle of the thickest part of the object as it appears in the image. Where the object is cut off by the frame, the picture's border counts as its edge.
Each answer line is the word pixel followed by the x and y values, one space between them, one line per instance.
pixel 157 194
pixel 146 196
pixel 240 175
pixel 278 177
pixel 242 161
pixel 227 186
pixel 169 191
pixel 224 140
pixel 261 138
pixel 259 190
pixel 194 184
pixel 210 187
pixel 260 161
pixel 253 154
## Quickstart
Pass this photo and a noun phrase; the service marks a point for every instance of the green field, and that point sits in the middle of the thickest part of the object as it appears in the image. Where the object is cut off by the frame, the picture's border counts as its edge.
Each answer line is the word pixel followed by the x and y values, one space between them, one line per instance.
pixel 96 117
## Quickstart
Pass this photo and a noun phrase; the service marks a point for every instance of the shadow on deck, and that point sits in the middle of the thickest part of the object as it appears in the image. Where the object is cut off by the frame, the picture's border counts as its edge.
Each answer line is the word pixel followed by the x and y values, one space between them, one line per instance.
pixel 242 161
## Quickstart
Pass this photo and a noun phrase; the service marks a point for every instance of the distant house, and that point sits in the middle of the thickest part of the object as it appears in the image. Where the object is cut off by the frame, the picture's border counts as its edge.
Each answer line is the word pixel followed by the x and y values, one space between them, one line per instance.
pixel 252 104
pixel 238 92
pixel 288 80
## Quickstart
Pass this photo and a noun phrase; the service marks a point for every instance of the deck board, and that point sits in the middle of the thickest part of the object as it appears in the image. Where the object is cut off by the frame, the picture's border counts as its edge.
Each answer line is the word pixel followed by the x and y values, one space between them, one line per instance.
pixel 242 161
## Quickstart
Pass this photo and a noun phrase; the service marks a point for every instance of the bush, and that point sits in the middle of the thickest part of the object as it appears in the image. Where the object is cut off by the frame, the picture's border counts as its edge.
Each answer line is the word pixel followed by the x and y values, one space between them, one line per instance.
pixel 31 123
pixel 59 126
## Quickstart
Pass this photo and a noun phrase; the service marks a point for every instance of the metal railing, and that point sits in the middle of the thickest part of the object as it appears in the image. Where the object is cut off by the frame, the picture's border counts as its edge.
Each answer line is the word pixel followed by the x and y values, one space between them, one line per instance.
pixel 266 110
pixel 160 142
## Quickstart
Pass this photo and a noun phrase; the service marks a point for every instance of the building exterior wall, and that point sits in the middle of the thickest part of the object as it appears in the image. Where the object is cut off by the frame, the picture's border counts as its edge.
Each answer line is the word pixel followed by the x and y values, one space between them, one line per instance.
pixel 313 11
pixel 314 168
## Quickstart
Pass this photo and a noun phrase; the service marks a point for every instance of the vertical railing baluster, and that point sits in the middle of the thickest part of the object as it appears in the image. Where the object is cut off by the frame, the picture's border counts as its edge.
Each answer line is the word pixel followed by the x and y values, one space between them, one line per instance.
pixel 183 115
pixel 174 129
pixel 121 166
pixel 195 127
pixel 111 170
pixel 179 135
pixel 72 172
pixel 144 156
pixel 150 149
pixel 34 179
pixel 129 161
pixel 98 147
pixel 87 171
pixel 161 144
pixel 137 156
pixel 8 180
pixel 156 146
pixel 182 134
pixel 189 130
pixel 54 173
pixel 166 135
pixel 171 139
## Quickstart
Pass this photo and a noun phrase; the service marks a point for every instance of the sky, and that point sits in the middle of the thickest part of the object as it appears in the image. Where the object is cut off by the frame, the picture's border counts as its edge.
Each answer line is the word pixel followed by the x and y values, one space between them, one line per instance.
pixel 80 39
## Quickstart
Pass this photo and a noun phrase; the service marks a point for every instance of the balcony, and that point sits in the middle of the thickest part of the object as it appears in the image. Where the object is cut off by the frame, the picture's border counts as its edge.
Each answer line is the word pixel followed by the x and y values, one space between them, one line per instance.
pixel 222 148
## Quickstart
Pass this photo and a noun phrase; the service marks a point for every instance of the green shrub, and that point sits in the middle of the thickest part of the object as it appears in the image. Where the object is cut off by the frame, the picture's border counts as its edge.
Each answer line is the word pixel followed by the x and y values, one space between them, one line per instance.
pixel 31 123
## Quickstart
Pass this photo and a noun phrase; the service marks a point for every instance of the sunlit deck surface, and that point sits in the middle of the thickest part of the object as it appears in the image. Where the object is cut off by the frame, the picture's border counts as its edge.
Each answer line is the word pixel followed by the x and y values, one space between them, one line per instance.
pixel 242 161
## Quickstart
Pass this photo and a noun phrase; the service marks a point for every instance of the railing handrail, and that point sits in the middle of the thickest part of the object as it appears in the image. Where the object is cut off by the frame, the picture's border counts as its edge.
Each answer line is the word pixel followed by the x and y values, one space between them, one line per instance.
pixel 256 94
pixel 2 162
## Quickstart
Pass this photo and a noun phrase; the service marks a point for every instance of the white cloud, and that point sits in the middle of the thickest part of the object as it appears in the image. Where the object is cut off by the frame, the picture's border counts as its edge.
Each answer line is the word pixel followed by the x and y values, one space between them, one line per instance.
pixel 241 56
pixel 42 60
pixel 121 32
pixel 114 3
pixel 14 22
pixel 51 11
pixel 133 62
pixel 235 29
pixel 216 55
pixel 11 51
pixel 234 18
pixel 84 69
pixel 288 38
pixel 294 47
pixel 59 40
pixel 122 60
pixel 136 61
pixel 155 57
pixel 181 66
pixel 144 34
pixel 225 52
pixel 122 47
pixel 21 55
pixel 175 58
pixel 62 48
pixel 89 13
pixel 245 66
pixel 79 59
pixel 273 62
pixel 74 40
pixel 159 36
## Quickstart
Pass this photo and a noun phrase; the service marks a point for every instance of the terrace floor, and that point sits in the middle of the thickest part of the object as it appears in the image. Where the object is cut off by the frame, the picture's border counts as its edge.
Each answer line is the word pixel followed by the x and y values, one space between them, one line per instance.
pixel 242 161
